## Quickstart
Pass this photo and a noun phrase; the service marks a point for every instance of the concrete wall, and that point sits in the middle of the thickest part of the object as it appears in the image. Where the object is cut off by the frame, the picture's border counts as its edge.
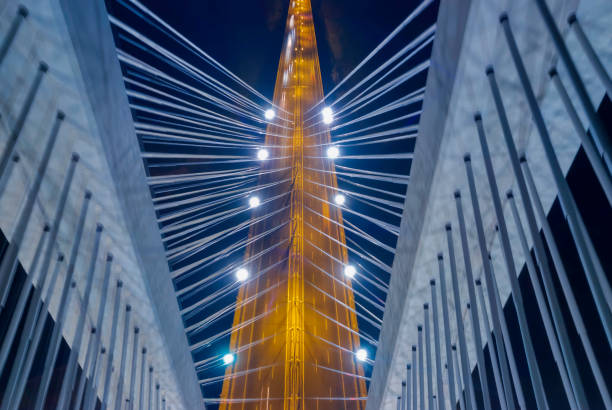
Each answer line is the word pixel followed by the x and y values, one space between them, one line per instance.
pixel 91 37
pixel 456 89
pixel 441 80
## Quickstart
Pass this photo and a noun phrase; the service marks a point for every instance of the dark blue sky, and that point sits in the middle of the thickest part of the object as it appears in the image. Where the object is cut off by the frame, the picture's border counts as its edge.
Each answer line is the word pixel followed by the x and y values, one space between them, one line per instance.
pixel 246 36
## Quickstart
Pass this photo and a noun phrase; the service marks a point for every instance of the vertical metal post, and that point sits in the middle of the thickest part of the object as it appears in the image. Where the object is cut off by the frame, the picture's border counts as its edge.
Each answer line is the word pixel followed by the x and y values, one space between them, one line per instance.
pixel 458 378
pixel 597 127
pixel 421 372
pixel 586 250
pixel 88 375
pixel 71 367
pixel 9 263
pixel 120 379
pixel 25 109
pixel 599 167
pixel 465 361
pixel 39 249
pixel 408 384
pixel 54 342
pixel 506 335
pixel 133 371
pixel 143 367
pixel 415 378
pixel 403 396
pixel 157 396
pixel 534 372
pixel 90 403
pixel 89 358
pixel 567 289
pixel 447 335
pixel 482 370
pixel 22 13
pixel 7 174
pixel 430 390
pixel 590 52
pixel 113 341
pixel 399 402
pixel 506 384
pixel 492 349
pixel 437 351
pixel 570 378
pixel 163 403
pixel 150 400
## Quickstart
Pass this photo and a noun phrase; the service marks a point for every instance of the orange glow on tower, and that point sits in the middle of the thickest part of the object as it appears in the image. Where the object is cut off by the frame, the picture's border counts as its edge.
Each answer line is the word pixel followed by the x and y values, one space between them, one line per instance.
pixel 295 328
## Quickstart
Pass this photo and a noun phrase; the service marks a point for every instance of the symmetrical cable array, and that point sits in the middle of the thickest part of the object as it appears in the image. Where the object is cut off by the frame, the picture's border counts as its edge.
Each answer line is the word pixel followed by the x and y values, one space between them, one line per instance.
pixel 202 130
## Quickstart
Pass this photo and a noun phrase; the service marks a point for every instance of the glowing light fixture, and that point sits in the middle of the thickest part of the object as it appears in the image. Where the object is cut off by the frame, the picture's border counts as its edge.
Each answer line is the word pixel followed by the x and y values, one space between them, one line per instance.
pixel 228 358
pixel 361 355
pixel 270 114
pixel 254 202
pixel 328 115
pixel 350 271
pixel 242 274
pixel 333 152
pixel 339 199
pixel 263 154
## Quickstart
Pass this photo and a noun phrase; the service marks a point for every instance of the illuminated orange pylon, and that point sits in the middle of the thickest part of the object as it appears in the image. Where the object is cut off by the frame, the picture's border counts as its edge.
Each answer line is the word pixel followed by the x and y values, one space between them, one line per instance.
pixel 295 330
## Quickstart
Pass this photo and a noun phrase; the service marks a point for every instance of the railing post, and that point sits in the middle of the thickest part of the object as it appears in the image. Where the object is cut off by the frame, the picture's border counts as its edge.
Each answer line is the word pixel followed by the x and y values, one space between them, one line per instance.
pixel 482 370
pixel 421 371
pixel 71 367
pixel 150 400
pixel 22 14
pixel 88 373
pixel 506 384
pixel 455 358
pixel 437 350
pixel 430 390
pixel 124 347
pixel 492 348
pixel 143 366
pixel 408 386
pixel 133 371
pixel 415 389
pixel 465 361
pixel 447 335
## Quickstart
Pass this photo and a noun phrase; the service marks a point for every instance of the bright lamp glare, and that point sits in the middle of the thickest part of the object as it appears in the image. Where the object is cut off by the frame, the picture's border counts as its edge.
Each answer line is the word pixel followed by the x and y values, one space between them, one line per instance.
pixel 333 152
pixel 270 114
pixel 339 199
pixel 361 355
pixel 328 115
pixel 254 202
pixel 242 274
pixel 350 271
pixel 228 358
pixel 263 154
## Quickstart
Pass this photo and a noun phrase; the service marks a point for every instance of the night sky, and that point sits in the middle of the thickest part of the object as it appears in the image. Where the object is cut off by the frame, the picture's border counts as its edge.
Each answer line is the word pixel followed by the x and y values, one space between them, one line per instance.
pixel 246 36
pixel 247 40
